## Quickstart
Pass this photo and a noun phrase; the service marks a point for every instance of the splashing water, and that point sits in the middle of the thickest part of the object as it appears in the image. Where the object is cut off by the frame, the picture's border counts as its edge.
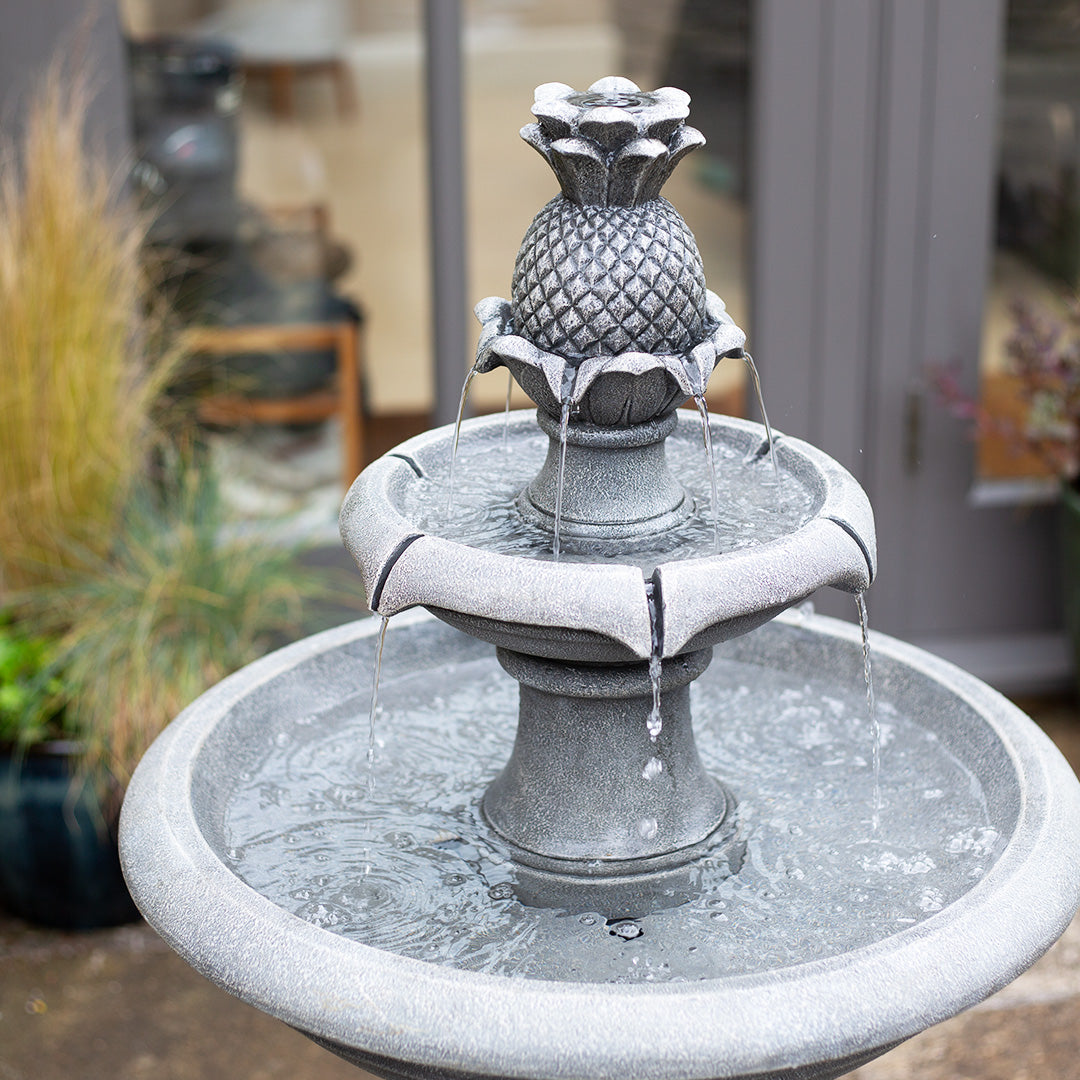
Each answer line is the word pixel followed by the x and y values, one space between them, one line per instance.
pixel 875 726
pixel 710 465
pixel 752 368
pixel 457 435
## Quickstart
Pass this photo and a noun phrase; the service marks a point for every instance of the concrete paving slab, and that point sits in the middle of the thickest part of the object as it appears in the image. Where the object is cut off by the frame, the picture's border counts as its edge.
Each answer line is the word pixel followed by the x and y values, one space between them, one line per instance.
pixel 120 1005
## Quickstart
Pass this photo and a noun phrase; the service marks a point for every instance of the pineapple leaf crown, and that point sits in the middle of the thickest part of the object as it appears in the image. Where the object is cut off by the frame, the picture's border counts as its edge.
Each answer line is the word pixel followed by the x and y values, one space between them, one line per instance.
pixel 613 144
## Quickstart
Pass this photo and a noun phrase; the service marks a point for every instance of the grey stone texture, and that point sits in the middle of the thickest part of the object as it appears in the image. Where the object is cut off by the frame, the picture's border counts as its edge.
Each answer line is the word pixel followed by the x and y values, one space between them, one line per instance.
pixel 121 1005
pixel 813 1020
pixel 558 609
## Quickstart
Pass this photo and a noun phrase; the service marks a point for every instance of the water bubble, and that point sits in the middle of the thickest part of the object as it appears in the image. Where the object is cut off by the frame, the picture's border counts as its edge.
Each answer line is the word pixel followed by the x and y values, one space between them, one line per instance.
pixel 931 900
pixel 889 861
pixel 323 914
pixel 589 920
pixel 627 929
pixel 979 841
pixel 502 891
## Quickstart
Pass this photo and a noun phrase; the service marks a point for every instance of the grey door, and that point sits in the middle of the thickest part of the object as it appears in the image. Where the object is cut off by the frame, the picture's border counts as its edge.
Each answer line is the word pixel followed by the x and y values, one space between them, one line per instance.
pixel 875 141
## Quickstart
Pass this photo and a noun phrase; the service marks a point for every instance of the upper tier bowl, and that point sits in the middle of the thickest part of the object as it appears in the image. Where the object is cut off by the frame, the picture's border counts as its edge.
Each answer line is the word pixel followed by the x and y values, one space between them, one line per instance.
pixel 599 610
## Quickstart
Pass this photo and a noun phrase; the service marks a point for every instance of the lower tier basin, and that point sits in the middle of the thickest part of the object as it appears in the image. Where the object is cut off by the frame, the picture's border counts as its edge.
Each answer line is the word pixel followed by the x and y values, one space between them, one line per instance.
pixel 372 908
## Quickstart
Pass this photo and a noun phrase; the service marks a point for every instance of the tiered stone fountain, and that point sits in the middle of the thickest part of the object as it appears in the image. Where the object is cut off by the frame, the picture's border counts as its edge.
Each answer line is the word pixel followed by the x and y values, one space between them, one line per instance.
pixel 674 868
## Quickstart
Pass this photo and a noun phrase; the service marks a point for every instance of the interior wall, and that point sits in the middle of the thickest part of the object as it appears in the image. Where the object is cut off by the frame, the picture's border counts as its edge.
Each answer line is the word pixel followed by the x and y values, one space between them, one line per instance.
pixel 82 32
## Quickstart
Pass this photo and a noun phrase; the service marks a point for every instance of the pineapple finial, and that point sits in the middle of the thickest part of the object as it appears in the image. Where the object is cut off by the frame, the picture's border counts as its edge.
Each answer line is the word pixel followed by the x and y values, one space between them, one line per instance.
pixel 609 314
pixel 613 144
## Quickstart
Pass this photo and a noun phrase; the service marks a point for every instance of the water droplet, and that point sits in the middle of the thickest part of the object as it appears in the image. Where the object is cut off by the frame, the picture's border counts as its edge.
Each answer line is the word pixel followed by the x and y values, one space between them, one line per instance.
pixel 648 828
pixel 589 920
pixel 626 929
pixel 653 768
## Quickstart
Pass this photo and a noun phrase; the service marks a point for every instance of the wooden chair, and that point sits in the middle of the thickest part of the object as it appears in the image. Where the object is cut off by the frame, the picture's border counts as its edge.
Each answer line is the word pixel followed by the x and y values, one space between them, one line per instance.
pixel 344 399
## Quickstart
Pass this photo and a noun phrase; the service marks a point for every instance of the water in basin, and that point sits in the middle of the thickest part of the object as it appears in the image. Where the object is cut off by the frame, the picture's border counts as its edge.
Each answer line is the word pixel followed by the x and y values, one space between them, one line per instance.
pixel 408 865
pixel 756 503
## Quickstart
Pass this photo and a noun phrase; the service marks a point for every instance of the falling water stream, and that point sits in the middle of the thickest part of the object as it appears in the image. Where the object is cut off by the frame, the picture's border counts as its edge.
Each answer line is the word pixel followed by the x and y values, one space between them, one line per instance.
pixel 457 436
pixel 752 368
pixel 376 677
pixel 710 464
pixel 871 707
pixel 564 428
pixel 506 411
pixel 655 723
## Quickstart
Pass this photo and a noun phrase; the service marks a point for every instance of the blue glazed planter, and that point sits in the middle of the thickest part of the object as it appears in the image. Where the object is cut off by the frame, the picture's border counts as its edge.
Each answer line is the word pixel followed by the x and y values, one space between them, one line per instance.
pixel 58 857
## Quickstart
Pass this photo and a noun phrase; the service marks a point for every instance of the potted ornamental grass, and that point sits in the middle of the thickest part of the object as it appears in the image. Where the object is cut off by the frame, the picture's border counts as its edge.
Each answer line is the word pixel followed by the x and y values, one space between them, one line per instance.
pixel 115 645
pixel 1040 430
pixel 123 592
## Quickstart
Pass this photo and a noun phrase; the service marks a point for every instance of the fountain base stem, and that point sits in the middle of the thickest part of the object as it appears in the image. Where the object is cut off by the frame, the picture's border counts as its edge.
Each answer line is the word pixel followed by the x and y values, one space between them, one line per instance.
pixel 617 488
pixel 594 786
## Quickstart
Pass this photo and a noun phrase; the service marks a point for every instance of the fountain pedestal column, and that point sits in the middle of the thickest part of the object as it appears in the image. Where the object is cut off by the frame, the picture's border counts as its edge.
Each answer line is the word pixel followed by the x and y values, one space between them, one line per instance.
pixel 587 790
pixel 616 485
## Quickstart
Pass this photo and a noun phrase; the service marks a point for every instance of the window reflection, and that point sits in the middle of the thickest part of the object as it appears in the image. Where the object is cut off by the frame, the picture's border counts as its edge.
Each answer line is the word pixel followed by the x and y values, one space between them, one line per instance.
pixel 331 119
pixel 1037 225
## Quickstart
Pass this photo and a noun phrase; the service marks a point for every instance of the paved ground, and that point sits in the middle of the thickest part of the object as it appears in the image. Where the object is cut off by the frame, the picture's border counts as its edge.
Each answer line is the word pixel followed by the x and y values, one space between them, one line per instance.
pixel 118 1005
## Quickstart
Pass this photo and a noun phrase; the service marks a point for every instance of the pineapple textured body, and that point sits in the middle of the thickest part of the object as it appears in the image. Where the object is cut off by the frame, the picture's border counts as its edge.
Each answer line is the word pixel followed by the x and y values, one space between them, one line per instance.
pixel 603 280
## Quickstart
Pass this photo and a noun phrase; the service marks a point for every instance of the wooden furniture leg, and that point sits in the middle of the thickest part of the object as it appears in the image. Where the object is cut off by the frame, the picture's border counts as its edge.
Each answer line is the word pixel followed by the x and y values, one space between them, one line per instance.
pixel 346 400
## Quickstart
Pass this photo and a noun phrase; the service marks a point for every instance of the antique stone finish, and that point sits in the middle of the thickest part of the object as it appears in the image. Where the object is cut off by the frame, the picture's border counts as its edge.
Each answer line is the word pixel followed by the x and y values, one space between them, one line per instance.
pixel 405 1018
pixel 608 266
pixel 609 314
pixel 571 798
